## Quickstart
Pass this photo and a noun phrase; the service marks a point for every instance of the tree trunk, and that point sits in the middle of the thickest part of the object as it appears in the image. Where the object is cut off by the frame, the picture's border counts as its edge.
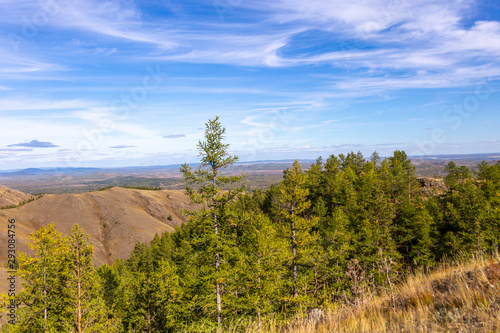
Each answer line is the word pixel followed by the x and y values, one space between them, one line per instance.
pixel 44 302
pixel 79 281
pixel 217 263
pixel 217 286
pixel 294 252
pixel 260 294
pixel 149 318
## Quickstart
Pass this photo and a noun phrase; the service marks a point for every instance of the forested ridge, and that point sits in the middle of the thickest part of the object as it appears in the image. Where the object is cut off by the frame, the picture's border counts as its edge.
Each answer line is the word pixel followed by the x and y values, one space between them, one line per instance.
pixel 347 226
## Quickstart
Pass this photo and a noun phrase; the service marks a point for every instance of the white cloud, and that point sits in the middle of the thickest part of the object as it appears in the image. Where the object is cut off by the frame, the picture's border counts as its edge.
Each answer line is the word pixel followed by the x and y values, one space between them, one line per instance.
pixel 113 18
pixel 20 104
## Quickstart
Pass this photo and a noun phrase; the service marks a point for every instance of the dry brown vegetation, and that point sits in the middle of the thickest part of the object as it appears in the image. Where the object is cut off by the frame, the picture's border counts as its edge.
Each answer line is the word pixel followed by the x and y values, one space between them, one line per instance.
pixel 460 297
pixel 9 196
pixel 116 218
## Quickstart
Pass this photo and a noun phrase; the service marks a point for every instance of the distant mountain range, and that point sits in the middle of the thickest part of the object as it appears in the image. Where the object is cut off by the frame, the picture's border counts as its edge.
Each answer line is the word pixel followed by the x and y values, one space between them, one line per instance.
pixel 131 170
pixel 174 168
pixel 45 171
pixel 473 157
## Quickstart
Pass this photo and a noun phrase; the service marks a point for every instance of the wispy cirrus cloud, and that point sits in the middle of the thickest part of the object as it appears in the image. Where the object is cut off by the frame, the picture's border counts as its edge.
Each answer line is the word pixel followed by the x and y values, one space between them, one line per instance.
pixel 424 34
pixel 307 73
pixel 11 104
pixel 113 18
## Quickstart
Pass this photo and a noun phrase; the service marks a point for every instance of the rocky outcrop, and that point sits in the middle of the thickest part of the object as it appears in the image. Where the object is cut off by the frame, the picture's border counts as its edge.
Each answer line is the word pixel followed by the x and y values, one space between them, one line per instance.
pixel 431 186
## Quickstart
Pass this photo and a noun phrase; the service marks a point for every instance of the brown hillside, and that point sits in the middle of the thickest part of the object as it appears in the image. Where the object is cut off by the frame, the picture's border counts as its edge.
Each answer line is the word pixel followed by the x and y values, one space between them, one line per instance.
pixel 10 196
pixel 116 218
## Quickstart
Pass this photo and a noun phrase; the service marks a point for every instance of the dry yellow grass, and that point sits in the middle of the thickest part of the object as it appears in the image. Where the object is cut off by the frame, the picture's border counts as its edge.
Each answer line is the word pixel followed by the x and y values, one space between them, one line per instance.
pixel 462 296
pixel 9 196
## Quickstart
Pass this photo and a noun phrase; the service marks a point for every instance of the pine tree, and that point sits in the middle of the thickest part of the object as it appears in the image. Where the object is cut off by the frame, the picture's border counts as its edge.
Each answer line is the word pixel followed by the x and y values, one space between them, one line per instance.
pixel 89 311
pixel 463 213
pixel 412 225
pixel 371 211
pixel 155 295
pixel 330 183
pixel 210 181
pixel 259 270
pixel 44 296
pixel 489 182
pixel 293 201
pixel 313 180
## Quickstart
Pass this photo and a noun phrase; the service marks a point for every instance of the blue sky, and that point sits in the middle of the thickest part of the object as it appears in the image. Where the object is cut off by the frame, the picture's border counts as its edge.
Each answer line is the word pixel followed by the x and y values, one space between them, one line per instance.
pixel 116 83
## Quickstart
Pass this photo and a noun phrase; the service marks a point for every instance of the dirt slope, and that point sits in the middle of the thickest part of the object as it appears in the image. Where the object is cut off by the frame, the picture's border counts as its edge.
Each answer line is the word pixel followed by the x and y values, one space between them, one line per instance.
pixel 10 196
pixel 116 218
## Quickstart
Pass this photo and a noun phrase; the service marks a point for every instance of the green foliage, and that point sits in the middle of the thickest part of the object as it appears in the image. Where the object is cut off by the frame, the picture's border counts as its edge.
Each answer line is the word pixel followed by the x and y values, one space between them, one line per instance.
pixel 212 240
pixel 89 312
pixel 149 291
pixel 294 204
pixel 468 213
pixel 105 188
pixel 61 289
pixel 43 302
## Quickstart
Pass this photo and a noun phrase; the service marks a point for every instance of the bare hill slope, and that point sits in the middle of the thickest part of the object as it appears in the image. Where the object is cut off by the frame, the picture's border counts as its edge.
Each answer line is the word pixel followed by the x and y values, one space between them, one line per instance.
pixel 116 218
pixel 9 196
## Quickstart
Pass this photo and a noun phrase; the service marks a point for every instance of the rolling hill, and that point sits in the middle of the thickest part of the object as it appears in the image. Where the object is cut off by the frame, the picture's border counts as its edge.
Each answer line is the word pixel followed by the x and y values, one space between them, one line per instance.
pixel 9 196
pixel 116 218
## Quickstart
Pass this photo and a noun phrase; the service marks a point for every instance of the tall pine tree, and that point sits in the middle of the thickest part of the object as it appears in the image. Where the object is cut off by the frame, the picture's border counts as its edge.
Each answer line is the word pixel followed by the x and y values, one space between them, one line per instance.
pixel 210 182
pixel 294 203
pixel 86 302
